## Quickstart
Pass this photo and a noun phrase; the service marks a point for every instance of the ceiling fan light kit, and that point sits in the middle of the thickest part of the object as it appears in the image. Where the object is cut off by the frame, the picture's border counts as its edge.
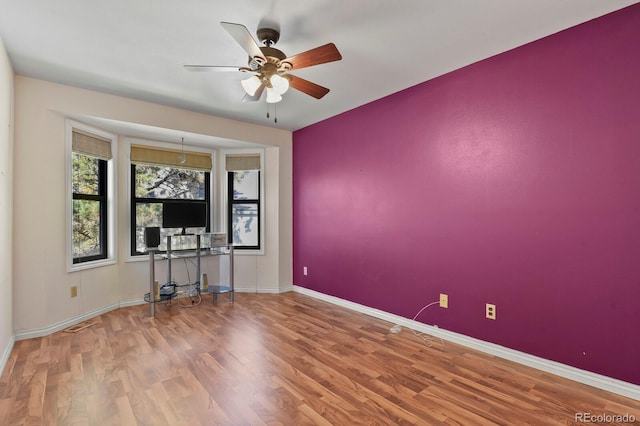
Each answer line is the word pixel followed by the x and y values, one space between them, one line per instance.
pixel 271 66
pixel 276 85
pixel 251 85
pixel 273 96
pixel 279 83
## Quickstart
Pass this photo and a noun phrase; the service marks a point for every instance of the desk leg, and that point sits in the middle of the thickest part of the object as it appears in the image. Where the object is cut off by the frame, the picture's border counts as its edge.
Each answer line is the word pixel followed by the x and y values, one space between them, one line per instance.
pixel 232 295
pixel 198 262
pixel 152 279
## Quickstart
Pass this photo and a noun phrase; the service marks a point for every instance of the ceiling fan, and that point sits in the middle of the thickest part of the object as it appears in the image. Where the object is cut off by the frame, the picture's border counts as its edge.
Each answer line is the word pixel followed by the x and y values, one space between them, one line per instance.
pixel 270 67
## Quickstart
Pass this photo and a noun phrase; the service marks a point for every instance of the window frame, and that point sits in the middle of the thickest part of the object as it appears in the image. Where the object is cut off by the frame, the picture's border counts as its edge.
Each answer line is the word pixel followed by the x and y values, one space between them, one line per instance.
pixel 132 200
pixel 108 183
pixel 231 202
pixel 226 217
pixel 101 197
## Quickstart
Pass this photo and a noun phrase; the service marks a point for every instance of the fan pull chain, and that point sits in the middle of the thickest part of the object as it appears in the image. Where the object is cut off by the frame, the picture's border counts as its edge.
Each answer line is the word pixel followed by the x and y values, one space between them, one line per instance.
pixel 275 112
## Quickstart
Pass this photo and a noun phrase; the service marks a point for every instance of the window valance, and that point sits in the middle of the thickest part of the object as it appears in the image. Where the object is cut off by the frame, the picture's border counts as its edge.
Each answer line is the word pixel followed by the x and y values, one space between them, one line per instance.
pixel 237 163
pixel 92 145
pixel 141 154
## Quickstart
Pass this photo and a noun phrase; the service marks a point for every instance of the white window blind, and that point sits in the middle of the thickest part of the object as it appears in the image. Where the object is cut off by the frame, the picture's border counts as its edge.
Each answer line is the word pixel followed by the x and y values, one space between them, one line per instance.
pixel 170 157
pixel 91 145
pixel 237 163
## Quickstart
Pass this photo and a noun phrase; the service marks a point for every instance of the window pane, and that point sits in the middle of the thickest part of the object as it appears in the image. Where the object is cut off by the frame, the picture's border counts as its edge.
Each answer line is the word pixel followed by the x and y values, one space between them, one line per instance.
pixel 86 228
pixel 169 183
pixel 244 224
pixel 86 175
pixel 147 214
pixel 245 185
pixel 150 214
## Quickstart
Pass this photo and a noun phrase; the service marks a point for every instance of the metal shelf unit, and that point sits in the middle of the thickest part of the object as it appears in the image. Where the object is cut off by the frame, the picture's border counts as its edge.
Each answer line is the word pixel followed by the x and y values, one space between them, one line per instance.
pixel 198 252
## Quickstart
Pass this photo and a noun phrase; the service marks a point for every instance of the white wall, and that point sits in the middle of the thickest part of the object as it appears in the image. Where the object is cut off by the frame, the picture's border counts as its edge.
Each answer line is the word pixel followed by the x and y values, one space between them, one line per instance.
pixel 6 195
pixel 42 300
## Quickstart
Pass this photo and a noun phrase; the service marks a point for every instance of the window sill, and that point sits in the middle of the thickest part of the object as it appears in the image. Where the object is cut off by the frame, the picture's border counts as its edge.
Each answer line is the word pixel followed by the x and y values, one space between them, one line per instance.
pixel 138 258
pixel 240 252
pixel 91 265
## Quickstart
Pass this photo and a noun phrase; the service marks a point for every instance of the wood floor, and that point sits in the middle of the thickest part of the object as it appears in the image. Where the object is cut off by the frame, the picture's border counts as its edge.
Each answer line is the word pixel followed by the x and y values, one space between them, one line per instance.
pixel 275 359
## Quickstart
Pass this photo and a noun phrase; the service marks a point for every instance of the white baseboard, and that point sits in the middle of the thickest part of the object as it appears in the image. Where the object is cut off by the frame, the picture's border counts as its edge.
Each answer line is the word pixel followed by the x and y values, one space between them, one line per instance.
pixel 599 381
pixel 45 331
pixel 7 353
pixel 261 290
pixel 132 302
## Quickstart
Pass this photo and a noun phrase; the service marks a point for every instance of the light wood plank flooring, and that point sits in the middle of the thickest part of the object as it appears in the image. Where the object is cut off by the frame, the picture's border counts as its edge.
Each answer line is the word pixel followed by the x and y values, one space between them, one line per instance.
pixel 275 359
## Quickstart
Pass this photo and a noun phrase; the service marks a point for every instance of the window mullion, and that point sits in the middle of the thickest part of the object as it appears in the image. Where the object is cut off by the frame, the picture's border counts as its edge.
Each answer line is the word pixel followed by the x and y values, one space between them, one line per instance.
pixel 89 197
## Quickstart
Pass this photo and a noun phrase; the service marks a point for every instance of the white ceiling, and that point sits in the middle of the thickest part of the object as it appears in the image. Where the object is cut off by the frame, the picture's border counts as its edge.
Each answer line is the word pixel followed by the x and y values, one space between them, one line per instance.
pixel 137 48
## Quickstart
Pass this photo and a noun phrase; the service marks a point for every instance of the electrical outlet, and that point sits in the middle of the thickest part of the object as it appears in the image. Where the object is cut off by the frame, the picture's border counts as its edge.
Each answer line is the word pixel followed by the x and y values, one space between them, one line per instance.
pixel 491 311
pixel 74 291
pixel 444 300
pixel 304 270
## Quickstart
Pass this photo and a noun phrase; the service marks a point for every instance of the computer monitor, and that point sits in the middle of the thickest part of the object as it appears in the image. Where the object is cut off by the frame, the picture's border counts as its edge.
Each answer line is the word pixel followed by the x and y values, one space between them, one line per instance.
pixel 184 214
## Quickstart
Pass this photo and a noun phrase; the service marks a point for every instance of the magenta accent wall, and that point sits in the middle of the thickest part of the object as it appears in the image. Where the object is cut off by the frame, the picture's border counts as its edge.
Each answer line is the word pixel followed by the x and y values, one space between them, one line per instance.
pixel 513 181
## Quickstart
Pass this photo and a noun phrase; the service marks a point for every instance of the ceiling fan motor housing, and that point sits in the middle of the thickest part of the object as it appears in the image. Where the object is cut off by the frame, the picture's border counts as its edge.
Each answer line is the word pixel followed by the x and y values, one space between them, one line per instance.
pixel 273 57
pixel 270 52
pixel 268 36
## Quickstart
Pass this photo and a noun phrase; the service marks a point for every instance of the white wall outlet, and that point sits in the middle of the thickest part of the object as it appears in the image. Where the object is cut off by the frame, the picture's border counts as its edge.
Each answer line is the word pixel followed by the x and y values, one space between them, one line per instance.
pixel 444 300
pixel 491 311
pixel 304 271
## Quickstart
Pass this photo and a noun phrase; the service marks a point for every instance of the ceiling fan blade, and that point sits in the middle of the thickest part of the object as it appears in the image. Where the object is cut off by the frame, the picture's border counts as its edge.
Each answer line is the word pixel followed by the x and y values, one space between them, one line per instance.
pixel 319 55
pixel 256 96
pixel 205 68
pixel 305 86
pixel 242 35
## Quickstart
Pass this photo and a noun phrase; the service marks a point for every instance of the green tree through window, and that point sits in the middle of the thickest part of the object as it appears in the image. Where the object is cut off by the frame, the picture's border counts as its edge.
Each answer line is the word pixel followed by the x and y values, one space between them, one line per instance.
pixel 89 223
